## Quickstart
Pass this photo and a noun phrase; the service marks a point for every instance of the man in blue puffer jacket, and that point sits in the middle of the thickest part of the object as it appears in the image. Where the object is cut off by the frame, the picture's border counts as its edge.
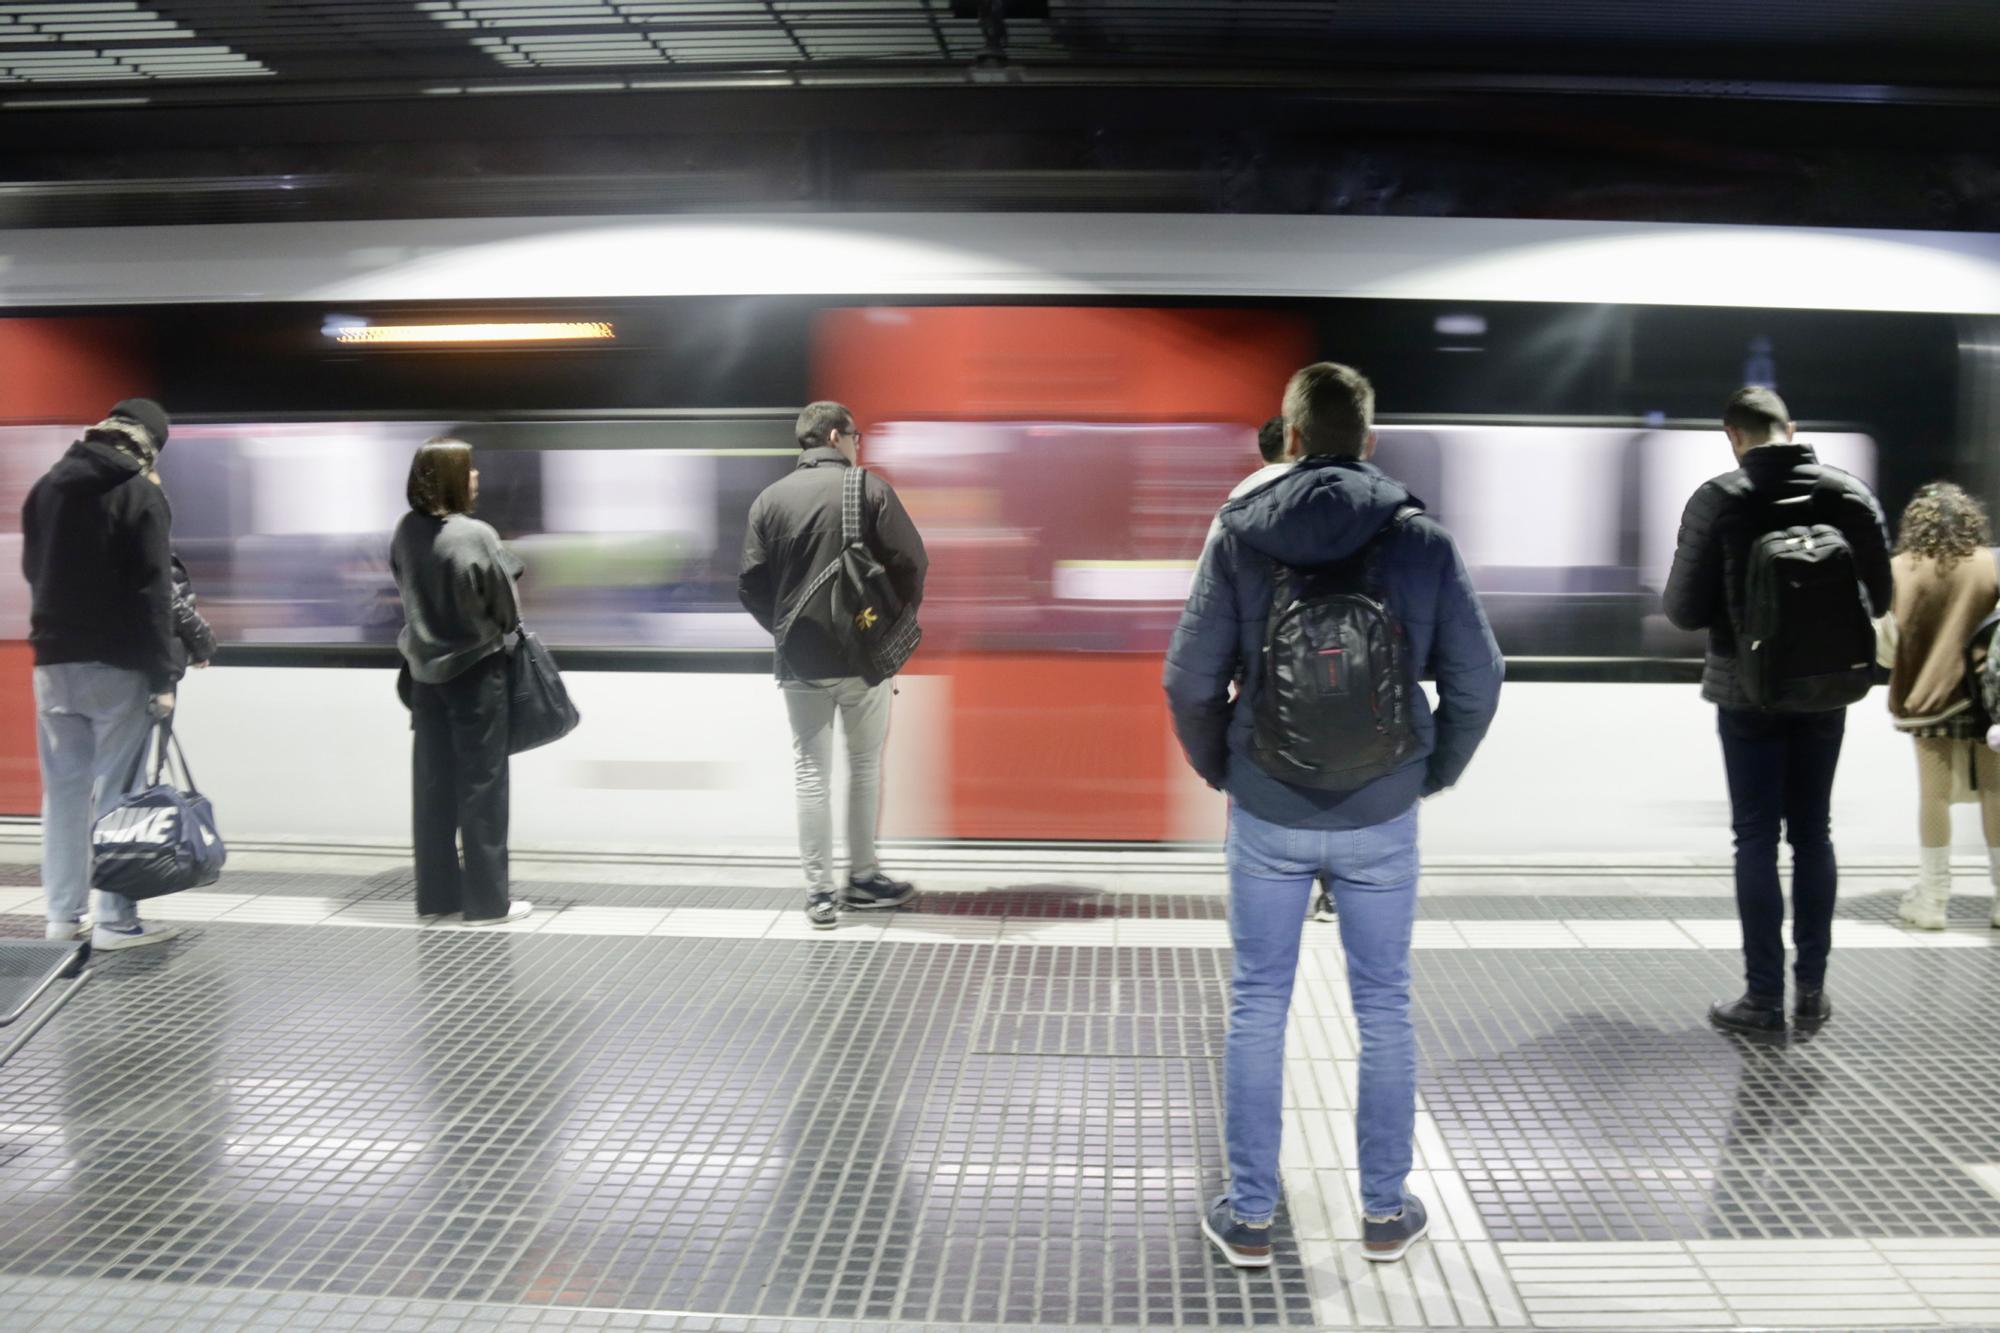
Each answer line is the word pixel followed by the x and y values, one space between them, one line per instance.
pixel 1281 836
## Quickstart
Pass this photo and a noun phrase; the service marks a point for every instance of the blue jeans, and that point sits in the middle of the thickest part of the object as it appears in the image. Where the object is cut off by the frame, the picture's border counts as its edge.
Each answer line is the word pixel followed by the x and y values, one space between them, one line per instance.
pixel 91 724
pixel 1373 874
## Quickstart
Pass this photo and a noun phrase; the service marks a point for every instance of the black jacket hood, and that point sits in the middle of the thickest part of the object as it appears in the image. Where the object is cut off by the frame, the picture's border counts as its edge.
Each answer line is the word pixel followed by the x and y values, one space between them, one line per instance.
pixel 93 467
pixel 1322 511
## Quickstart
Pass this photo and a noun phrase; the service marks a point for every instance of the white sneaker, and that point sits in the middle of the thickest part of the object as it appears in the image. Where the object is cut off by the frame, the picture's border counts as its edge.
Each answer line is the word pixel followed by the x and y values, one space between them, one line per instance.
pixel 1923 912
pixel 135 937
pixel 515 911
pixel 67 930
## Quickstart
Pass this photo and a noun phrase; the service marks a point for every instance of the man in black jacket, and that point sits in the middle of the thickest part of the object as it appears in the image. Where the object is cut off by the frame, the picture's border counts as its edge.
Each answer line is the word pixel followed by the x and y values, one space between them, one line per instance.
pixel 794 534
pixel 1780 765
pixel 99 563
pixel 1331 508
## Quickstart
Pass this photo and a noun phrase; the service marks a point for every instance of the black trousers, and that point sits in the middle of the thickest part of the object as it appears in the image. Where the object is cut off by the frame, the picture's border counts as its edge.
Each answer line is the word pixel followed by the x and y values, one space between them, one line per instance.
pixel 1781 776
pixel 459 790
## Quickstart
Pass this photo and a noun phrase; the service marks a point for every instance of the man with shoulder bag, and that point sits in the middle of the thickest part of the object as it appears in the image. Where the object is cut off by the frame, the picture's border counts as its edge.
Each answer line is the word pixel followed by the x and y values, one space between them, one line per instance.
pixel 834 569
pixel 1785 562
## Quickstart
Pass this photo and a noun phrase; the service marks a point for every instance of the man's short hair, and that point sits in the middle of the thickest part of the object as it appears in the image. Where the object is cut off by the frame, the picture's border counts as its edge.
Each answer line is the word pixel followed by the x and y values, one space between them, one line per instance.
pixel 819 421
pixel 1757 412
pixel 1271 440
pixel 1333 407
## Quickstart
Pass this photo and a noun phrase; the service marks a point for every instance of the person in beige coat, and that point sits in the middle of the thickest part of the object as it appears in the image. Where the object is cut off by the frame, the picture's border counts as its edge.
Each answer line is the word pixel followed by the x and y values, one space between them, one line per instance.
pixel 1946 583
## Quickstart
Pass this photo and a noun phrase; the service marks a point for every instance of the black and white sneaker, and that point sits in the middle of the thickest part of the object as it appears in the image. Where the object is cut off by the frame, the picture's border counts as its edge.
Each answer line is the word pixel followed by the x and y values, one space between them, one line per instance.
pixel 876 892
pixel 822 912
pixel 1322 909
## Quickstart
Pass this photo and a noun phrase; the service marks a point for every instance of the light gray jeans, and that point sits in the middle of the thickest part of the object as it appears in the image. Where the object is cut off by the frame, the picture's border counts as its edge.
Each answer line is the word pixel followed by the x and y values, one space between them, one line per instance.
pixel 92 722
pixel 864 717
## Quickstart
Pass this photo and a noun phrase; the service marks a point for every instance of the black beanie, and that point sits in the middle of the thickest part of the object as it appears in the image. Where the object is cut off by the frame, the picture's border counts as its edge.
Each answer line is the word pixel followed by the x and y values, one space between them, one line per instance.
pixel 148 414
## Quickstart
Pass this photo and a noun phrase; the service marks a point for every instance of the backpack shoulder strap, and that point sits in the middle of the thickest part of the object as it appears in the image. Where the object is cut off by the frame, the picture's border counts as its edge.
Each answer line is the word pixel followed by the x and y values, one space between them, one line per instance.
pixel 850 504
pixel 1397 521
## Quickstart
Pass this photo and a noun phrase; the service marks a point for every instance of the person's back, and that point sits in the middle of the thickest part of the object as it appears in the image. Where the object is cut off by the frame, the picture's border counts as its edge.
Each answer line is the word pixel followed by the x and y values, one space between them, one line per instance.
pixel 92 530
pixel 1777 484
pixel 96 550
pixel 795 533
pixel 457 585
pixel 1780 761
pixel 1334 509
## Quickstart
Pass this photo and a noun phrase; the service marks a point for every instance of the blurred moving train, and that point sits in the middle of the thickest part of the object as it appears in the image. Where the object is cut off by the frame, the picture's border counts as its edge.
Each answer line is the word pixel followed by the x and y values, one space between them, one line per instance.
pixel 1062 402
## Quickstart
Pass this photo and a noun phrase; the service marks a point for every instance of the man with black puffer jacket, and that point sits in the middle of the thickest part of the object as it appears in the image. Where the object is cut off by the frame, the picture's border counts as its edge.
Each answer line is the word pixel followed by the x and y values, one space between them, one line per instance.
pixel 98 558
pixel 1780 764
pixel 1333 520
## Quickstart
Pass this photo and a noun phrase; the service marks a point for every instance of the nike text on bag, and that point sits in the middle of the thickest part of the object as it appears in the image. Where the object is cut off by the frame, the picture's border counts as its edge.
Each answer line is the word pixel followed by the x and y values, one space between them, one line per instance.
pixel 852 606
pixel 538 706
pixel 1334 707
pixel 1807 641
pixel 162 837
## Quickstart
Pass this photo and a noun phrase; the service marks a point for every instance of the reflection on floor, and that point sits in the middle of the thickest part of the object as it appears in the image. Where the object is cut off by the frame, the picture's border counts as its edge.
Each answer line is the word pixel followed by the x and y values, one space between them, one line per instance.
pixel 671 1106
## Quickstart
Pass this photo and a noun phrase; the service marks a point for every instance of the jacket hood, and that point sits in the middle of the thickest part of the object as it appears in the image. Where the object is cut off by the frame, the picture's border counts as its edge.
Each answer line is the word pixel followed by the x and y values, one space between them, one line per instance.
pixel 1772 464
pixel 1324 510
pixel 93 467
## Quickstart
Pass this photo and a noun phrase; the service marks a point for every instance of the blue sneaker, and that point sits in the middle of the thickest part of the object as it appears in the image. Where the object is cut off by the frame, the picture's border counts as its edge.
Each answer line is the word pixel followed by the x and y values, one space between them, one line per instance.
pixel 1242 1244
pixel 1387 1239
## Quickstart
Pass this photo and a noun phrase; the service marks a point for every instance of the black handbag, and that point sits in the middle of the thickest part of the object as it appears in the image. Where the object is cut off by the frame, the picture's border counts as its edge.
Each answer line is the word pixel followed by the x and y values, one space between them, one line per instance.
pixel 538 705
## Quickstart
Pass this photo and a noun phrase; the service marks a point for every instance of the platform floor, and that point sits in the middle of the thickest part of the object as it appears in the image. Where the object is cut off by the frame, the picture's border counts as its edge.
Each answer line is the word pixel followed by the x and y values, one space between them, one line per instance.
pixel 661 1102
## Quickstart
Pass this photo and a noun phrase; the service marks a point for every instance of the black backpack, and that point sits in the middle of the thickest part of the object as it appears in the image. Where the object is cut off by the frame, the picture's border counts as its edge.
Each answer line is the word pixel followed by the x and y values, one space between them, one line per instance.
pixel 1335 709
pixel 852 605
pixel 1982 668
pixel 1805 641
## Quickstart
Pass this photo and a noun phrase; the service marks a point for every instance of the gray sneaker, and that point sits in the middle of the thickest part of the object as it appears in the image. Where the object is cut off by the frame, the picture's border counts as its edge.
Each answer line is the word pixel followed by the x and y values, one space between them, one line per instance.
pixel 876 893
pixel 1387 1239
pixel 822 912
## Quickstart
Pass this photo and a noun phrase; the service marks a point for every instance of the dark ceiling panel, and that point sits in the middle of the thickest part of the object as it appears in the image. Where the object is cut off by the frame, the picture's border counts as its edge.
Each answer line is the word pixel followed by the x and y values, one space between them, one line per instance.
pixel 171 49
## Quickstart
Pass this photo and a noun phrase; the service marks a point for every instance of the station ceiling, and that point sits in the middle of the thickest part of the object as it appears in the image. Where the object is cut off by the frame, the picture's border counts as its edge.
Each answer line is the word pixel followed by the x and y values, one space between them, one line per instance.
pixel 1875 112
pixel 177 49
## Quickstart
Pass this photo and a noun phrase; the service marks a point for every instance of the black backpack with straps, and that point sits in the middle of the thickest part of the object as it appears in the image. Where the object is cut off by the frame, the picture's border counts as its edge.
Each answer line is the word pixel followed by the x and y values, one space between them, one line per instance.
pixel 1805 638
pixel 852 605
pixel 1336 705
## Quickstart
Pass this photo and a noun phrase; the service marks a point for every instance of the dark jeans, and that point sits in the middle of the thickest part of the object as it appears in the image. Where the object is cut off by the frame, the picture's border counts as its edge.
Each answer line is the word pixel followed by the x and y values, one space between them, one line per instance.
pixel 459 790
pixel 1781 773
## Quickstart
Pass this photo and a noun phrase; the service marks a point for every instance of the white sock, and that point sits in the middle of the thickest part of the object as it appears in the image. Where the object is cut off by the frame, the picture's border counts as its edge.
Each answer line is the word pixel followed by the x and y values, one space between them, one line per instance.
pixel 1934 868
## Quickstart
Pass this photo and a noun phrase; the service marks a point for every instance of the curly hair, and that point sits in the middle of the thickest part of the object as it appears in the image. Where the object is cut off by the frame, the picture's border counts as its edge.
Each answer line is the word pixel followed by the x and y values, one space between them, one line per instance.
pixel 1944 523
